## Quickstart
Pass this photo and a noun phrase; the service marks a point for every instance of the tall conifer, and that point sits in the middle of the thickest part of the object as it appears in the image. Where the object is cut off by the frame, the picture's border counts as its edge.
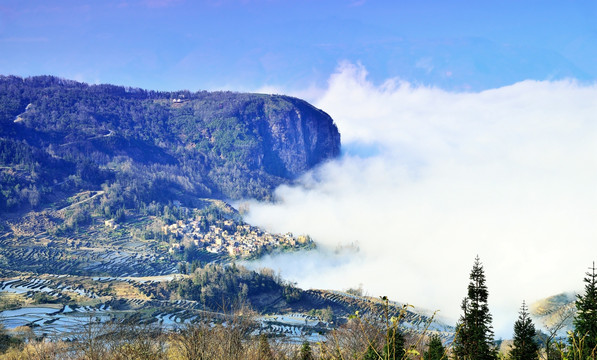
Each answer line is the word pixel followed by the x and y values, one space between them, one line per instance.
pixel 370 354
pixel 394 348
pixel 436 349
pixel 474 339
pixel 585 321
pixel 524 346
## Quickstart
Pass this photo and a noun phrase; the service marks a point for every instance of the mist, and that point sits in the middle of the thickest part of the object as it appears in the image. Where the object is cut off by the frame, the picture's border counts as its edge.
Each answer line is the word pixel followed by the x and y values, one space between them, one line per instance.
pixel 429 179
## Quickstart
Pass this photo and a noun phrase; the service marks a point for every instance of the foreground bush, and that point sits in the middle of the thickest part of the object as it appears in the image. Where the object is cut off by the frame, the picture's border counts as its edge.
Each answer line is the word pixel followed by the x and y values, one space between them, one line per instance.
pixel 234 338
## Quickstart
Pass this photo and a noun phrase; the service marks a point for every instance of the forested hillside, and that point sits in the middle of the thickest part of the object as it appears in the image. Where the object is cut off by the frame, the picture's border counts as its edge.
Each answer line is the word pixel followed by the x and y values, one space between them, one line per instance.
pixel 60 137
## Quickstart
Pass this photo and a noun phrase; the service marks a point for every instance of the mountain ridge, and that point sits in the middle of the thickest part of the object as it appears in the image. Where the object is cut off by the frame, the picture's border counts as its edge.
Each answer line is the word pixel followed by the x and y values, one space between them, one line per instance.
pixel 164 145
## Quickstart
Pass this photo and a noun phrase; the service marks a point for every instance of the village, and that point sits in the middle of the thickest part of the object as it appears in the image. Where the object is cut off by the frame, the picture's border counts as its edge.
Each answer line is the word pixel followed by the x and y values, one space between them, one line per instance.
pixel 231 238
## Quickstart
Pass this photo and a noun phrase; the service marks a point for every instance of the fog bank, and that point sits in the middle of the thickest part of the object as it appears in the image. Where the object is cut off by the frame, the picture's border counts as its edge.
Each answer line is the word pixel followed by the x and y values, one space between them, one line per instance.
pixel 429 179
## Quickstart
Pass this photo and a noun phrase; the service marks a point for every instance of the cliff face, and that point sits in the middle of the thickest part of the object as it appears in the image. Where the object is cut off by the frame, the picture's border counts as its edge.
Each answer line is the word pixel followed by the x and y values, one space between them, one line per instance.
pixel 216 144
pixel 297 136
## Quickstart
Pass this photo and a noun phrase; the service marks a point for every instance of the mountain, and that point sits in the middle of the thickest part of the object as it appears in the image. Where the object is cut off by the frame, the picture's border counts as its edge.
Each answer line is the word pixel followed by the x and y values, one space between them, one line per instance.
pixel 60 137
pixel 554 314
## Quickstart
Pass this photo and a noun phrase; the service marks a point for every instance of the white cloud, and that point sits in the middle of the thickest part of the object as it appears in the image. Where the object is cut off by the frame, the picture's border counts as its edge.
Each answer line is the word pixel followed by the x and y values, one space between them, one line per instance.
pixel 509 174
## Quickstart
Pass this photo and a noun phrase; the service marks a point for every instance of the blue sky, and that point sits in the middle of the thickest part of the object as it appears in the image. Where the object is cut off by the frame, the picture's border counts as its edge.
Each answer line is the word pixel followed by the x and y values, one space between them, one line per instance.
pixel 245 45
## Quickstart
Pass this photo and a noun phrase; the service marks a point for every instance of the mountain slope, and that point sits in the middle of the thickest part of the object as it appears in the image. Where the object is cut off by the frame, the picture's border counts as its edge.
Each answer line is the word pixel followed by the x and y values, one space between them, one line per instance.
pixel 60 137
pixel 555 314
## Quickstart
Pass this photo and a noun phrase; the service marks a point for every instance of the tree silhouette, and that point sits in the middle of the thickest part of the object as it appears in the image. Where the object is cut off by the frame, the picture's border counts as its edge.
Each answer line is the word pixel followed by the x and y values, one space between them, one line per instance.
pixel 585 321
pixel 394 348
pixel 524 347
pixel 436 349
pixel 474 339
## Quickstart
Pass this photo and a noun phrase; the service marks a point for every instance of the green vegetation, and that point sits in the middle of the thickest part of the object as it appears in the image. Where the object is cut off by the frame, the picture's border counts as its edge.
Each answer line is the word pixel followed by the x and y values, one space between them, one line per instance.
pixel 213 284
pixel 85 168
pixel 306 352
pixel 232 332
pixel 474 339
pixel 7 341
pixel 59 137
pixel 394 347
pixel 109 181
pixel 584 338
pixel 326 314
pixel 43 298
pixel 435 348
pixel 524 347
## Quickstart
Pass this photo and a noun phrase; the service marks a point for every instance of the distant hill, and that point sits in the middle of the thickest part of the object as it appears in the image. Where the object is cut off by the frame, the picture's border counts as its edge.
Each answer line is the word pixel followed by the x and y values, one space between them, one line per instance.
pixel 554 314
pixel 60 137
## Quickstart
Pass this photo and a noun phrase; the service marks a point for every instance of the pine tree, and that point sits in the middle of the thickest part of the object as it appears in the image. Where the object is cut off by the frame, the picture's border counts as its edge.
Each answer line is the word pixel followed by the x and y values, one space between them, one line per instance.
pixel 435 349
pixel 585 321
pixel 524 347
pixel 474 339
pixel 394 348
pixel 370 354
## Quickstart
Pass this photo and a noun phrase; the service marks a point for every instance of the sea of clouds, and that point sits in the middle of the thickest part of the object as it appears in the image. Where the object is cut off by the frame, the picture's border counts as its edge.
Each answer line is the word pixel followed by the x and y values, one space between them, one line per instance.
pixel 429 179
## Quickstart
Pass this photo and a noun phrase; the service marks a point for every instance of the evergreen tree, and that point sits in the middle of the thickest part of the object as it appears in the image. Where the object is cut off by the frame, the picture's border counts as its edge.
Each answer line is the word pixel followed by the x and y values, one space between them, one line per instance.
pixel 524 347
pixel 370 354
pixel 474 339
pixel 435 349
pixel 394 348
pixel 585 321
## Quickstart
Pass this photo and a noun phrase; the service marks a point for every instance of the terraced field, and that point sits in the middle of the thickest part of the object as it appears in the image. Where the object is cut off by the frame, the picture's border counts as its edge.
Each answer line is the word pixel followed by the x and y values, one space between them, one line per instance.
pixel 412 321
pixel 90 301
pixel 57 285
pixel 94 252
